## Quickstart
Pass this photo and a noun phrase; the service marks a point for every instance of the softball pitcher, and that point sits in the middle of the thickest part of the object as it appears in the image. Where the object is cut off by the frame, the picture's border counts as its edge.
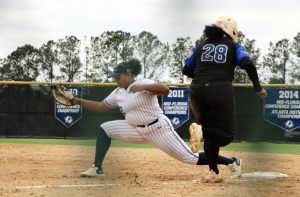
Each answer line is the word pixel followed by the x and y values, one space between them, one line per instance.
pixel 144 120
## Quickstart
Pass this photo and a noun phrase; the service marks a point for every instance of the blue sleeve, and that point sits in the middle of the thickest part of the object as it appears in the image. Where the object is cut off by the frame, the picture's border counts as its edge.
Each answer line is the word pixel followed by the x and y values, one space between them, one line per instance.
pixel 241 52
pixel 191 61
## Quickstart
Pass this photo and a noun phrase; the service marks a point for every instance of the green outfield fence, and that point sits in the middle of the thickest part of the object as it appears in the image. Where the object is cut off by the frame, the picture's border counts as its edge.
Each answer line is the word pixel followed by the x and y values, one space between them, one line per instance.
pixel 27 110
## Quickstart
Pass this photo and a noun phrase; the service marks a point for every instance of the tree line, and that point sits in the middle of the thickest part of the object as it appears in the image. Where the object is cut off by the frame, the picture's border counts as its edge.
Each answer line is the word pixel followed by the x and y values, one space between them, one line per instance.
pixel 93 59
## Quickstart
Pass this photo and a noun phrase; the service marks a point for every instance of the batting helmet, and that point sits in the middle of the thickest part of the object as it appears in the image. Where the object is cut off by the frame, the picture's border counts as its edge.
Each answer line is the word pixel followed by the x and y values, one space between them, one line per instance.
pixel 229 26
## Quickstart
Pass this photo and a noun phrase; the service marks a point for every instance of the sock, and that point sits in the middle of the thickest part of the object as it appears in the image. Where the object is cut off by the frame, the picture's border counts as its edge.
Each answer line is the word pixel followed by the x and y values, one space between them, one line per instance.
pixel 225 160
pixel 102 145
pixel 221 160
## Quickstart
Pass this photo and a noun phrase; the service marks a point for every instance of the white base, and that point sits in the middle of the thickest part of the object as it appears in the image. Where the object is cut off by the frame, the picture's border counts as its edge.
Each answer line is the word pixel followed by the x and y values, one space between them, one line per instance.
pixel 263 175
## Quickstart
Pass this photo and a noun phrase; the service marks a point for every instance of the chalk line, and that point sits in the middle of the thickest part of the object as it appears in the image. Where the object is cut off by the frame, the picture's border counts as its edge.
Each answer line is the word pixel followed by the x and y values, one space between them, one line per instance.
pixel 64 186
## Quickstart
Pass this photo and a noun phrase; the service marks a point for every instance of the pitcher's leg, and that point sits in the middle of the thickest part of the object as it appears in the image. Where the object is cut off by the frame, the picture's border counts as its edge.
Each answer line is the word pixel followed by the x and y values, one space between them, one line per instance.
pixel 123 131
pixel 119 130
pixel 102 145
pixel 165 138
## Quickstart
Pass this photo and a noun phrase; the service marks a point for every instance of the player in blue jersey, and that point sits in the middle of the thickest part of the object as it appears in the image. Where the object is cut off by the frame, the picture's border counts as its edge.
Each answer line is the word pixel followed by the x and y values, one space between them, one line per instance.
pixel 211 65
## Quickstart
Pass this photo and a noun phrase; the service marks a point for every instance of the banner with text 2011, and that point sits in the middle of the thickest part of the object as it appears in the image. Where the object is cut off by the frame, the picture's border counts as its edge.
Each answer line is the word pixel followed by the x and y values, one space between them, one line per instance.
pixel 176 105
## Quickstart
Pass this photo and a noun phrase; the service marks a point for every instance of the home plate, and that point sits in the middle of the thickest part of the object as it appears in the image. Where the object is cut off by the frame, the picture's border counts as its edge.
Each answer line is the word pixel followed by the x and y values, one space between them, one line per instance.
pixel 263 175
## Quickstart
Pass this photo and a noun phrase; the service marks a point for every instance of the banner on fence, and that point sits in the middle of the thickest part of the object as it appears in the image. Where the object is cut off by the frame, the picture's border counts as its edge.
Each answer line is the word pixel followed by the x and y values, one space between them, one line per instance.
pixel 282 108
pixel 69 115
pixel 176 106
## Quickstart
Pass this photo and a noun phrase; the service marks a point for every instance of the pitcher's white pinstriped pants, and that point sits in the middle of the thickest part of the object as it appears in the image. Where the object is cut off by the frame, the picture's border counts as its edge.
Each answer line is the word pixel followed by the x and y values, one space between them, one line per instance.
pixel 160 134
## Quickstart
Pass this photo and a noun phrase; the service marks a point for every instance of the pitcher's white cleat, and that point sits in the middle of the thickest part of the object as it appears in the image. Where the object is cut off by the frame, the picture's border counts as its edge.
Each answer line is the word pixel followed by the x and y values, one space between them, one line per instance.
pixel 92 172
pixel 236 168
pixel 211 177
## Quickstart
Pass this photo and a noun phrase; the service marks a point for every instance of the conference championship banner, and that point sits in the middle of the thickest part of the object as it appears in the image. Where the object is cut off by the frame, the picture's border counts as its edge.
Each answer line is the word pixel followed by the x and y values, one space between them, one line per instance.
pixel 69 115
pixel 282 107
pixel 176 105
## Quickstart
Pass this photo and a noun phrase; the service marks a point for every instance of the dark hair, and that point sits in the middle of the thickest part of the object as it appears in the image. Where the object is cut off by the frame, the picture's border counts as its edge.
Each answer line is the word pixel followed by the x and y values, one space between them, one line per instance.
pixel 213 32
pixel 134 65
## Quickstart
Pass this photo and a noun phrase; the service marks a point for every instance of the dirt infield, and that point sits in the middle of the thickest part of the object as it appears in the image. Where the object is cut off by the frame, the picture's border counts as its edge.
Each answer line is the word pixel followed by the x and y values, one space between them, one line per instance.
pixel 53 170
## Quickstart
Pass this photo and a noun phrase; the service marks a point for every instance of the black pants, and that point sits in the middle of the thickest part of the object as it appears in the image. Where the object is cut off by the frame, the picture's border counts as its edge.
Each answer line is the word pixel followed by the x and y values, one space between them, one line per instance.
pixel 213 106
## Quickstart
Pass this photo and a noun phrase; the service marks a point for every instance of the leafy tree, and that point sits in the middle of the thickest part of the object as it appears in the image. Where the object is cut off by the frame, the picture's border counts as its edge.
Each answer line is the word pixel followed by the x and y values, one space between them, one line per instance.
pixel 153 54
pixel 86 74
pixel 21 65
pixel 68 57
pixel 48 57
pixel 283 60
pixel 295 67
pixel 122 43
pixel 106 51
pixel 4 69
pixel 268 61
pixel 101 63
pixel 276 61
pixel 241 75
pixel 180 51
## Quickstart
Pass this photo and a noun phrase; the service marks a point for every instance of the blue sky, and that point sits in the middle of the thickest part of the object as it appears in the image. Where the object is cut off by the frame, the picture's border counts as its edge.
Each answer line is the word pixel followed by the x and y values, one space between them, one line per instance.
pixel 37 21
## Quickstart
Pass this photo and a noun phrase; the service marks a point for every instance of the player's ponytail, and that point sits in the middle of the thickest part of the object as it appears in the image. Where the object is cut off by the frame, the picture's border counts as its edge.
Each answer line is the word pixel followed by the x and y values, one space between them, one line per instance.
pixel 213 32
pixel 135 66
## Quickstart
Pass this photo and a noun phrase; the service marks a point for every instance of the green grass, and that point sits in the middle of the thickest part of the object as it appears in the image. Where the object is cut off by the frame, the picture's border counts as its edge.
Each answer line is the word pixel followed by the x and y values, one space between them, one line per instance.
pixel 264 147
pixel 239 146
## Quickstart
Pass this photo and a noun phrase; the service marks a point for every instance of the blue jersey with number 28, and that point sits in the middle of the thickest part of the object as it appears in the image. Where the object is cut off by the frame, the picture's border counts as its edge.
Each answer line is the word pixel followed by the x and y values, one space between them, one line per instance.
pixel 215 60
